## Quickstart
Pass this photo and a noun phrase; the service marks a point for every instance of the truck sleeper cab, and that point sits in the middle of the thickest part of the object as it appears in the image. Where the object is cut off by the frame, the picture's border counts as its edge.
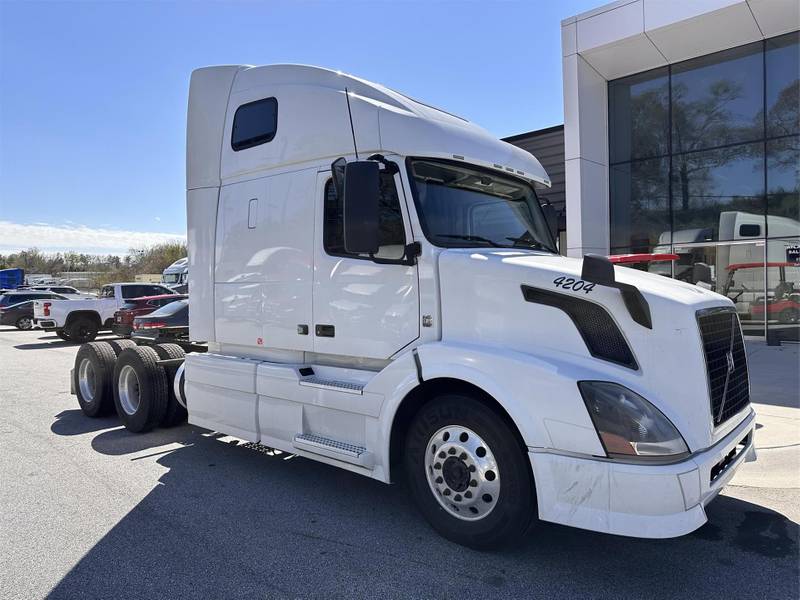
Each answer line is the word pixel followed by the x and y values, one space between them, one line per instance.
pixel 380 291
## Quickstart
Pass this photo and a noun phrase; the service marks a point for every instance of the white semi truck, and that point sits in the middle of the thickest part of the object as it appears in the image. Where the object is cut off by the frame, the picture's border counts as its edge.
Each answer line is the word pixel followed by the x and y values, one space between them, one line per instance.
pixel 380 291
pixel 176 276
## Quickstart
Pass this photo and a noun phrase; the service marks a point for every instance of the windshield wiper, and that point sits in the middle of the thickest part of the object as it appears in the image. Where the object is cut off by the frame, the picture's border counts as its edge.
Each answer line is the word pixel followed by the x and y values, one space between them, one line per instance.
pixel 471 238
pixel 524 241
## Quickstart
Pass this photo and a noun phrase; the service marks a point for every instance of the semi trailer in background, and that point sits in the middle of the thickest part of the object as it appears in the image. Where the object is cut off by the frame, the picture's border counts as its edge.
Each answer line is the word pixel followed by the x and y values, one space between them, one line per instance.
pixel 379 290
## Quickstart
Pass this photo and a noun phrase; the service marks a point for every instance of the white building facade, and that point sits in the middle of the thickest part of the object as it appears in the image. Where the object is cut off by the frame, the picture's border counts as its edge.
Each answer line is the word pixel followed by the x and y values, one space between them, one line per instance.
pixel 681 134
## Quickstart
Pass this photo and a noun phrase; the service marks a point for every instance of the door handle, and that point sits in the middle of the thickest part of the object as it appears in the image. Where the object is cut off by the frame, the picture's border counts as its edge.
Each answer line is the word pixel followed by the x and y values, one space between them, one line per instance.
pixel 325 330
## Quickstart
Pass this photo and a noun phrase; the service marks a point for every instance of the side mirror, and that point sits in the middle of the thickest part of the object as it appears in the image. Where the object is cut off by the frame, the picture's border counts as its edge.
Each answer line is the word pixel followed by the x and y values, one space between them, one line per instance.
pixel 551 218
pixel 361 195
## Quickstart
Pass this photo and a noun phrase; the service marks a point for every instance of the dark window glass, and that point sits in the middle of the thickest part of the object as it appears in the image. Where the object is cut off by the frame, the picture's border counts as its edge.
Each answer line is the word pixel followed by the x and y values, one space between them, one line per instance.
pixel 750 230
pixel 391 239
pixel 638 119
pixel 173 308
pixel 783 186
pixel 107 292
pixel 138 291
pixel 462 206
pixel 254 123
pixel 718 99
pixel 783 85
pixel 639 205
pixel 718 190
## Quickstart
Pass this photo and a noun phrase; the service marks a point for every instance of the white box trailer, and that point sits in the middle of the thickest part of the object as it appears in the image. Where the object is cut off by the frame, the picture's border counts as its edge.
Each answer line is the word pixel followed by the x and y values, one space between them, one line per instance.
pixel 380 291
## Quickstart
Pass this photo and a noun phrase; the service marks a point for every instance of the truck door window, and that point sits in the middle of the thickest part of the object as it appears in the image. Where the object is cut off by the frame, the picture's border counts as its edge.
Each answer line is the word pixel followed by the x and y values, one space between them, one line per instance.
pixel 254 123
pixel 107 292
pixel 391 237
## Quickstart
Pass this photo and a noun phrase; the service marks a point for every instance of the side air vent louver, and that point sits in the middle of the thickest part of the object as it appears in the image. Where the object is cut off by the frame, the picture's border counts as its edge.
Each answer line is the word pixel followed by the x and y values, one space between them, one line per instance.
pixel 599 331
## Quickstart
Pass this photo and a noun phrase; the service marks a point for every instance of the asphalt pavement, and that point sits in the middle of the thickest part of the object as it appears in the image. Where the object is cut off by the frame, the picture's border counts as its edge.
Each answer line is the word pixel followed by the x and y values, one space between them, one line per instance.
pixel 88 510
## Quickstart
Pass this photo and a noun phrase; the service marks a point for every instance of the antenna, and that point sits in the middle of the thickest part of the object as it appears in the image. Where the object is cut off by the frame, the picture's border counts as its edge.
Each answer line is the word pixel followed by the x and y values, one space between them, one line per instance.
pixel 352 129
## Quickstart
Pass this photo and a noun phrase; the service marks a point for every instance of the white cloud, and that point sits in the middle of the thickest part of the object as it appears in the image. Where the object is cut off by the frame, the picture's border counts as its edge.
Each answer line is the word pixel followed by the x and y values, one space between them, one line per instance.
pixel 78 238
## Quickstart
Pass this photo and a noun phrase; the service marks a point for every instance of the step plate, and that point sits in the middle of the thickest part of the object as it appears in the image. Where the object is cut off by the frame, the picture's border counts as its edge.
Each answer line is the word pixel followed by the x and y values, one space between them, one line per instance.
pixel 332 384
pixel 323 443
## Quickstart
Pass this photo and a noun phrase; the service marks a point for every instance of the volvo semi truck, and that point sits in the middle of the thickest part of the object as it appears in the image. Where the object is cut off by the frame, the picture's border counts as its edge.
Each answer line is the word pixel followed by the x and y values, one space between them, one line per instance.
pixel 380 291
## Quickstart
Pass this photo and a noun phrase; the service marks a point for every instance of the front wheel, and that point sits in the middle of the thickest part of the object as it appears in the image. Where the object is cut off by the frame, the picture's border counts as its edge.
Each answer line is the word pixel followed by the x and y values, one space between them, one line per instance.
pixel 789 315
pixel 63 335
pixel 468 474
pixel 24 323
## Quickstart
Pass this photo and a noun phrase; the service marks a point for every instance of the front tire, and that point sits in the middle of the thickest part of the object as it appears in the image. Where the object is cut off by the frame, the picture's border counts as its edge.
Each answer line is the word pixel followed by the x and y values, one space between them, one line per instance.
pixel 140 389
pixel 24 323
pixel 63 335
pixel 789 315
pixel 467 473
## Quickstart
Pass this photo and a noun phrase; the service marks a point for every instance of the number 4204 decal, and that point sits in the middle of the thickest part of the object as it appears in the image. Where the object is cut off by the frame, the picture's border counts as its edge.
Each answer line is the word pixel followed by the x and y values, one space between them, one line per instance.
pixel 569 283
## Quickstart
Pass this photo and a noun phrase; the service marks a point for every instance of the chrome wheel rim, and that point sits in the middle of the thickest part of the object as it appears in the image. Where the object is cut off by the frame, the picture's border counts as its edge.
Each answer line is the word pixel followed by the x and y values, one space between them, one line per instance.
pixel 462 473
pixel 128 387
pixel 25 323
pixel 86 380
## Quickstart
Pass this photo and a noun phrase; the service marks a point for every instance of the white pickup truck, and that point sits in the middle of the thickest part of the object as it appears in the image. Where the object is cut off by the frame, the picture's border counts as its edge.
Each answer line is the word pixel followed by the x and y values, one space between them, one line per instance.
pixel 80 320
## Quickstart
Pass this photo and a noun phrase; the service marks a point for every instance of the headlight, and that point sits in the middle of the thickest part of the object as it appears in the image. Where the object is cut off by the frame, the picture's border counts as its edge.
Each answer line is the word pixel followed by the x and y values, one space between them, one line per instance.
pixel 628 425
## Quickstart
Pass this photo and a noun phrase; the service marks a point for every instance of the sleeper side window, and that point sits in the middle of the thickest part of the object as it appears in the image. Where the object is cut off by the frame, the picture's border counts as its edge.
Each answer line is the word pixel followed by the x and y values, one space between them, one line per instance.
pixel 391 237
pixel 254 123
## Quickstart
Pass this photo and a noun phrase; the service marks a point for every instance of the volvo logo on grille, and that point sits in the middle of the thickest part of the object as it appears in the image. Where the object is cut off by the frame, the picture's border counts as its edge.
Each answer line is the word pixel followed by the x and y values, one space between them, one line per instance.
pixel 731 363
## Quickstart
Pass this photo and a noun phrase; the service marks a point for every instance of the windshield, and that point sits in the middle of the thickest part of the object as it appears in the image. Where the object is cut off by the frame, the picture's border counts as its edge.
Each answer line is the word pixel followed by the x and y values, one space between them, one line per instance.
pixel 462 206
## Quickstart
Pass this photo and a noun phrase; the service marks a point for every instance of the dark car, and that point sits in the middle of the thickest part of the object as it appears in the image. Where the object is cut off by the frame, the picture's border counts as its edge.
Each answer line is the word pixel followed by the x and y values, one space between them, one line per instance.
pixel 168 323
pixel 20 315
pixel 137 307
pixel 11 298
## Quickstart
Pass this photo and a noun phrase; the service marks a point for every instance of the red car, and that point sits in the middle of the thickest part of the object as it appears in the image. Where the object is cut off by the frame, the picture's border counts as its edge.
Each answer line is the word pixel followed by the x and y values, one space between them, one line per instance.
pixel 136 307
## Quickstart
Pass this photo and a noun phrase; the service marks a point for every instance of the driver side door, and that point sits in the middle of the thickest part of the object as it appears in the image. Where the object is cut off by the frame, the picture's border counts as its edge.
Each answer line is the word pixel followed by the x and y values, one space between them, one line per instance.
pixel 362 308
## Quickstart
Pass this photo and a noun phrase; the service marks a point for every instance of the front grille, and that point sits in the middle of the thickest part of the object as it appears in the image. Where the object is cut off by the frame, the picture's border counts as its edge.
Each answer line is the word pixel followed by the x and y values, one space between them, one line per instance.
pixel 726 363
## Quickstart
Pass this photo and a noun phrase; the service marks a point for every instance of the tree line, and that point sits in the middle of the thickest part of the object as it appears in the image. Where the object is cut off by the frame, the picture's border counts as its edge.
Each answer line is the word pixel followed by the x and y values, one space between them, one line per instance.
pixel 108 268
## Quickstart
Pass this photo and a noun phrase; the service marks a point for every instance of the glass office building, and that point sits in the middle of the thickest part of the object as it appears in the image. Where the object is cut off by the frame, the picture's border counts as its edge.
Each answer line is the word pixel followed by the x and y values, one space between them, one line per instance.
pixel 704 162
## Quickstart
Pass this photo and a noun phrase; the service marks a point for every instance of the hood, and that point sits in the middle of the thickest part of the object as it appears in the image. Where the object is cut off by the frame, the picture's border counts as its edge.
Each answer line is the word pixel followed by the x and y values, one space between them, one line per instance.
pixel 483 300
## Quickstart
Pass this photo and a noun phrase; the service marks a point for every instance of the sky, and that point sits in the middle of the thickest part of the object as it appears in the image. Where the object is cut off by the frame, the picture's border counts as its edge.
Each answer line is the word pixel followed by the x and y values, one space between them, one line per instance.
pixel 93 94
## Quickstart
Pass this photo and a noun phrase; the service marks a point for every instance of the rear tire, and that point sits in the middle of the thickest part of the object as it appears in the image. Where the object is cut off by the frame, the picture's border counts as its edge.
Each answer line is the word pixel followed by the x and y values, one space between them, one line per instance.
pixel 140 389
pixel 24 323
pixel 175 413
pixel 119 345
pixel 82 330
pixel 468 474
pixel 93 379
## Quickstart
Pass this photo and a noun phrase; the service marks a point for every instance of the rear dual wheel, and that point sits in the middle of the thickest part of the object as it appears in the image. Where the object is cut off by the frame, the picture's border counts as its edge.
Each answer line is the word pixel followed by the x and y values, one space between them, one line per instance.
pixel 468 474
pixel 93 377
pixel 141 392
pixel 175 413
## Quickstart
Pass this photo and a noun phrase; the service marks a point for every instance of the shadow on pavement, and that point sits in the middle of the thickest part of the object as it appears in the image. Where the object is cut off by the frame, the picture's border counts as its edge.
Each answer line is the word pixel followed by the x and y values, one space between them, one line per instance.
pixel 57 342
pixel 232 520
pixel 74 422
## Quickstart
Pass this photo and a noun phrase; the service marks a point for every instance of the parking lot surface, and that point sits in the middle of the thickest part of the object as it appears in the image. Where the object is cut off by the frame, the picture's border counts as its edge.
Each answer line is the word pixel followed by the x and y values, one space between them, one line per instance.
pixel 88 510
